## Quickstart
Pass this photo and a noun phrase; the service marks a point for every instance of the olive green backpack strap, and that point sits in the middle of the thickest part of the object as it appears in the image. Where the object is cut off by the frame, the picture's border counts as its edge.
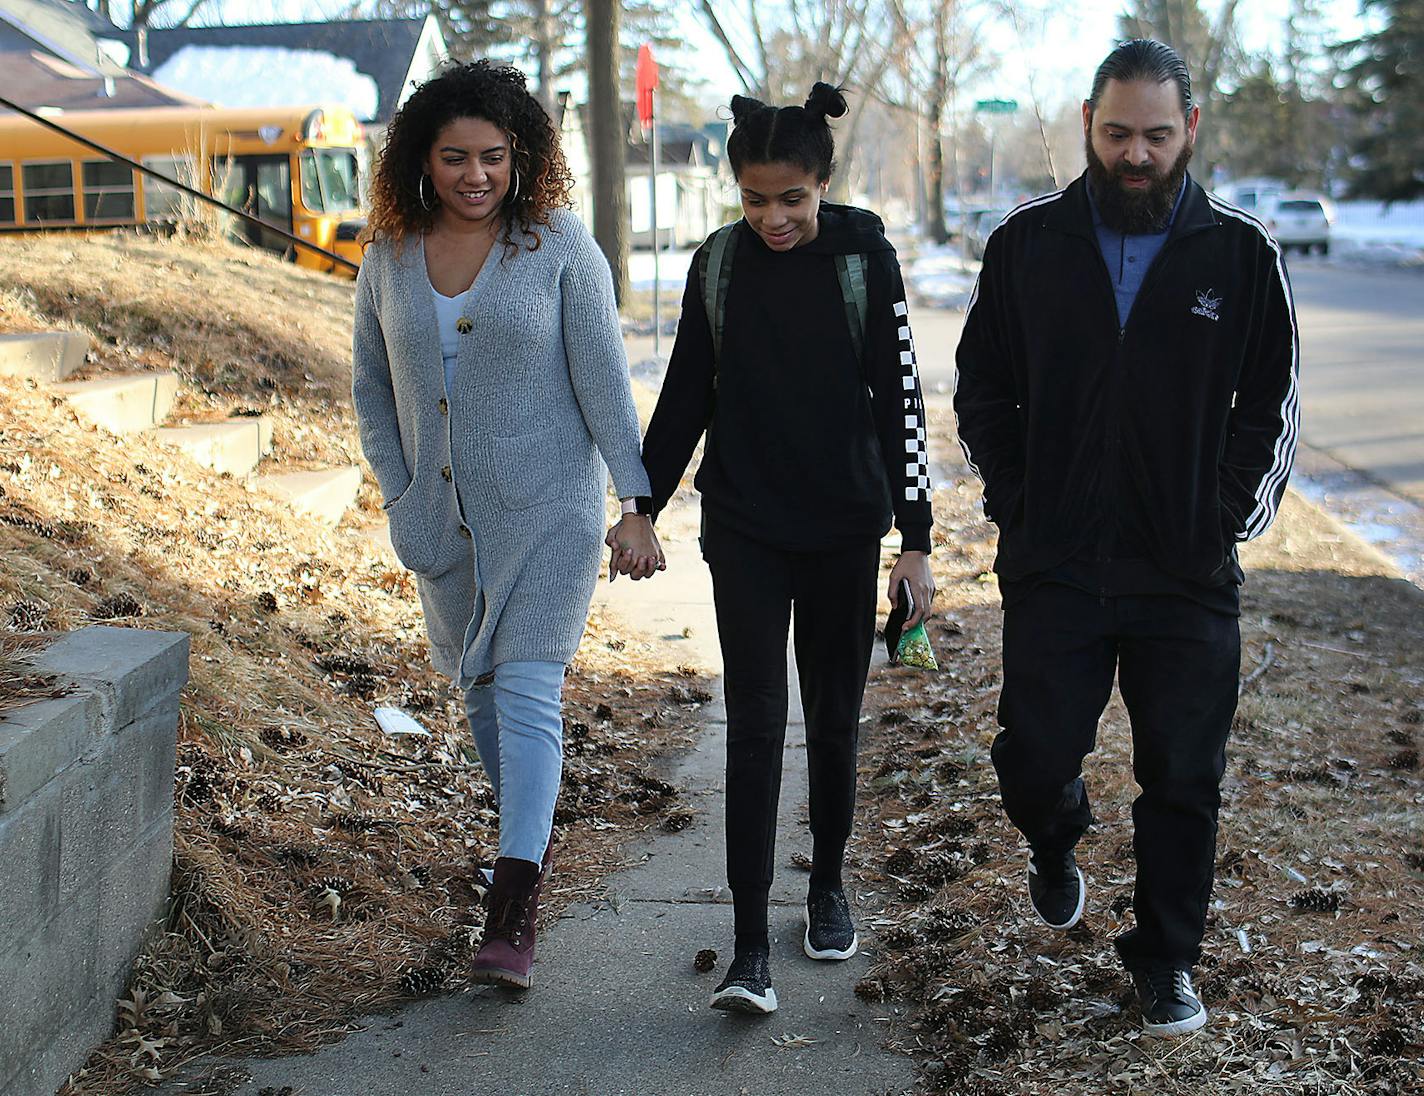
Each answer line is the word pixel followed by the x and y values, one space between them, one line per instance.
pixel 715 267
pixel 850 269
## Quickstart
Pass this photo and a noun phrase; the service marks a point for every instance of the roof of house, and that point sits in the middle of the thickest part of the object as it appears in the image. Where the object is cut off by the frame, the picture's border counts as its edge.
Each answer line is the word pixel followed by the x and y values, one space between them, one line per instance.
pixel 382 49
pixel 37 79
pixel 679 145
pixel 65 29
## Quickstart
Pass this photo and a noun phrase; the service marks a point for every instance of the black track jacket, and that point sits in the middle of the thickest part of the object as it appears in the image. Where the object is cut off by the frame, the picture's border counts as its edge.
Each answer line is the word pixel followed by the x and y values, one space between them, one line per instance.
pixel 807 449
pixel 1170 439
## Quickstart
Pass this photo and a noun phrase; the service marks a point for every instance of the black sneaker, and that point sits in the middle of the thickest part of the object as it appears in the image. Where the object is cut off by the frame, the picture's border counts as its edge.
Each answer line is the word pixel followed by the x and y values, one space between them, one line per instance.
pixel 1055 887
pixel 830 933
pixel 747 987
pixel 1170 1005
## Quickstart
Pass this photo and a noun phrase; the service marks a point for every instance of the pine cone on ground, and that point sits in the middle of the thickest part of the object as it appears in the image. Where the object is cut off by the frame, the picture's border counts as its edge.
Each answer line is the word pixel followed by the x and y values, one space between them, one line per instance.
pixel 1316 901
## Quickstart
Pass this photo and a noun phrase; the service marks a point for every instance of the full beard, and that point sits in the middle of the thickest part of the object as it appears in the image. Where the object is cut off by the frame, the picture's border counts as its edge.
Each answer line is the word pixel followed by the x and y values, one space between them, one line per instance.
pixel 1134 212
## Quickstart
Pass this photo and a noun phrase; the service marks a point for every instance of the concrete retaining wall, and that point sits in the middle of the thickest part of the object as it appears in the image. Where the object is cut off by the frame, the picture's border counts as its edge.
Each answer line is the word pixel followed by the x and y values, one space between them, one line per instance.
pixel 86 844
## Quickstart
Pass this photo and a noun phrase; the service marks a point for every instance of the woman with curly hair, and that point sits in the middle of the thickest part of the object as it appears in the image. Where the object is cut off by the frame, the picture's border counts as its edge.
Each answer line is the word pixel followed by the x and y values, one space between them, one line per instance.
pixel 491 388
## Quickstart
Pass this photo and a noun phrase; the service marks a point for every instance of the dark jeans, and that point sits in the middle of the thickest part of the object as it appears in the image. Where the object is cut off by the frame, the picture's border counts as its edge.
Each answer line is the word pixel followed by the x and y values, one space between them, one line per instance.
pixel 833 594
pixel 1177 664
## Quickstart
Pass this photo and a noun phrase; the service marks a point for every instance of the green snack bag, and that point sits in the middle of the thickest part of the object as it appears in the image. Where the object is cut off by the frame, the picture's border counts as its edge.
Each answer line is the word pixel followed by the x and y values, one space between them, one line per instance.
pixel 907 647
pixel 914 649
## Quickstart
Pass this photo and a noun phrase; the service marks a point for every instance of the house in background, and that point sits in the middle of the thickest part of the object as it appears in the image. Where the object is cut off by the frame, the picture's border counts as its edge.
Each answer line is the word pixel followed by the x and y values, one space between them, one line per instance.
pixel 57 55
pixel 694 183
pixel 693 186
pixel 368 65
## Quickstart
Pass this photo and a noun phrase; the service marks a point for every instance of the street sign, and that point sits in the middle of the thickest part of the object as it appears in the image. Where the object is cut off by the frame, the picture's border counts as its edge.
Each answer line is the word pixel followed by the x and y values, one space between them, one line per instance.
pixel 996 106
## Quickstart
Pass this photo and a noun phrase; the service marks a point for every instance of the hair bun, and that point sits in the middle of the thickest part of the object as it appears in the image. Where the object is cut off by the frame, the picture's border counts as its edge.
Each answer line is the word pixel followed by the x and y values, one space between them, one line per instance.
pixel 826 101
pixel 744 106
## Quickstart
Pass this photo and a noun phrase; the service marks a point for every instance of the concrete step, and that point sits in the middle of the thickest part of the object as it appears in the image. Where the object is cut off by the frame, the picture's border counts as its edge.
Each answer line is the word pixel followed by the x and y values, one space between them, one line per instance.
pixel 124 403
pixel 47 356
pixel 233 446
pixel 324 495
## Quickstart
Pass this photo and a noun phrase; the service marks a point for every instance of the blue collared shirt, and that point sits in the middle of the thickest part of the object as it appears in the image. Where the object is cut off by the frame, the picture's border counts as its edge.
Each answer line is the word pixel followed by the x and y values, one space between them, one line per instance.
pixel 1128 256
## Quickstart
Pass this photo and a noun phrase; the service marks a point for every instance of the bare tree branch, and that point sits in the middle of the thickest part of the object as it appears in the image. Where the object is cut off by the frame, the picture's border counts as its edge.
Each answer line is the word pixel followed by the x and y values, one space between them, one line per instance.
pixel 749 84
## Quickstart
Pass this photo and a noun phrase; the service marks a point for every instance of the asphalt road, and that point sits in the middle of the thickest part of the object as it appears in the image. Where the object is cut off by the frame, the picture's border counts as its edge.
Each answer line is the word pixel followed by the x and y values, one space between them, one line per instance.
pixel 1362 369
pixel 1362 366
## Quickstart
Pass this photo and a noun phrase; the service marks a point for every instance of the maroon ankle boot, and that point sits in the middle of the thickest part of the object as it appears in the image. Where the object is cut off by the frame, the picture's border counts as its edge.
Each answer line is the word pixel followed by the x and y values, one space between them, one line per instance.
pixel 506 954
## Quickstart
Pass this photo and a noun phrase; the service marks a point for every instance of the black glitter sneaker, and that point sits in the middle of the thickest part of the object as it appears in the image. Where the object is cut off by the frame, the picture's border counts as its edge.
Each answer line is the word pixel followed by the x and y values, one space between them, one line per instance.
pixel 830 932
pixel 1055 887
pixel 1170 1006
pixel 747 987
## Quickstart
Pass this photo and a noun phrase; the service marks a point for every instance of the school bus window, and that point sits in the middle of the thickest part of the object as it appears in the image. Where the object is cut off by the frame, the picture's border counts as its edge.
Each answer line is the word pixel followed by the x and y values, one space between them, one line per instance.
pixel 108 191
pixel 329 180
pixel 7 194
pixel 49 191
pixel 311 183
pixel 338 178
pixel 162 202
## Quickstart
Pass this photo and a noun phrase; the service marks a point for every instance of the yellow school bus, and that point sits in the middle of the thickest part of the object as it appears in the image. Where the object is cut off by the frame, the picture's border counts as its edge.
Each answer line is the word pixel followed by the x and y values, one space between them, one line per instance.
pixel 295 168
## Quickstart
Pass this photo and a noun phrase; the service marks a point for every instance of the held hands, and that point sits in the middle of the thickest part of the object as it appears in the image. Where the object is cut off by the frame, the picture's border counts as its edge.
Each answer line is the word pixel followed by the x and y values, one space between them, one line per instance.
pixel 636 550
pixel 914 568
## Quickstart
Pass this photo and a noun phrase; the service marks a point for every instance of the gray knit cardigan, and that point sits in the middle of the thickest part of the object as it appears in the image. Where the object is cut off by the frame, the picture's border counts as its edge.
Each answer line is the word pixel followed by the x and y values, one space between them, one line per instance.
pixel 495 489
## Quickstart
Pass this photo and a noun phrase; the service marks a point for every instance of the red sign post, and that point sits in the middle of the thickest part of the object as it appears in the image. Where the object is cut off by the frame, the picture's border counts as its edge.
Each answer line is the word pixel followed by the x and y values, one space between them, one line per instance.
pixel 647 83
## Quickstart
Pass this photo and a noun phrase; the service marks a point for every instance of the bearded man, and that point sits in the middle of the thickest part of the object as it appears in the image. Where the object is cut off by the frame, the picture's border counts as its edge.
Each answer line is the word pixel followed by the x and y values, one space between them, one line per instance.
pixel 1127 390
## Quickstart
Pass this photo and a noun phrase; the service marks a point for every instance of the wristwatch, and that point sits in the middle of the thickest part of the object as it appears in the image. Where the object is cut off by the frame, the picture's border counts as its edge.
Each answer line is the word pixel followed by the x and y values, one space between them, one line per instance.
pixel 639 504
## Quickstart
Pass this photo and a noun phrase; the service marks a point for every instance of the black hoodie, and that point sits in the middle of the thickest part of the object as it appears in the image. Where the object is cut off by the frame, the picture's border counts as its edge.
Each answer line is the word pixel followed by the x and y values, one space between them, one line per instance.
pixel 808 448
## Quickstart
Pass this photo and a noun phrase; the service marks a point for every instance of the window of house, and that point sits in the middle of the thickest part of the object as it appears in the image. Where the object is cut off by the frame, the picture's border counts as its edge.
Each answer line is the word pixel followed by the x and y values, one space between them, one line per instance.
pixel 108 191
pixel 49 192
pixel 7 194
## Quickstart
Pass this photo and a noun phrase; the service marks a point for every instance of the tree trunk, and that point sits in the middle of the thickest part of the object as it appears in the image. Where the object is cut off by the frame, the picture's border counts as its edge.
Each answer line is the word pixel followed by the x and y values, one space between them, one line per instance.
pixel 606 142
pixel 544 35
pixel 934 117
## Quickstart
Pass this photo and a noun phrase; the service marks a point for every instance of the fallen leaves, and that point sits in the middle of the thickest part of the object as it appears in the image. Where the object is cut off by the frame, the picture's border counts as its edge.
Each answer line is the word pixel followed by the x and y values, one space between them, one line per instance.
pixel 1312 968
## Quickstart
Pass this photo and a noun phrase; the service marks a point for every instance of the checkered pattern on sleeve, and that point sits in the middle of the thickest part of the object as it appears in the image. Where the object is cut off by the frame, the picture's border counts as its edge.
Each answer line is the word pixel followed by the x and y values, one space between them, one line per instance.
pixel 917 463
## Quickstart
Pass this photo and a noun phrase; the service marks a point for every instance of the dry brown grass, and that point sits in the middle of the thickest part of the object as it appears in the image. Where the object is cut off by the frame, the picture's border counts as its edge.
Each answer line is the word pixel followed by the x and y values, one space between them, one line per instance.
pixel 1321 863
pixel 321 868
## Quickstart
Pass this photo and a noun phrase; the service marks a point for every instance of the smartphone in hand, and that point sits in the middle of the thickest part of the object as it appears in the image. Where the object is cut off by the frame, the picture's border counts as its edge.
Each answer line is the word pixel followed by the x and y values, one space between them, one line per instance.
pixel 907 647
pixel 895 622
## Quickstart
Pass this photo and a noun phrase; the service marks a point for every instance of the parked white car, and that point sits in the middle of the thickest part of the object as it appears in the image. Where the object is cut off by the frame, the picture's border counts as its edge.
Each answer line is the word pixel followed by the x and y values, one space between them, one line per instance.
pixel 1299 219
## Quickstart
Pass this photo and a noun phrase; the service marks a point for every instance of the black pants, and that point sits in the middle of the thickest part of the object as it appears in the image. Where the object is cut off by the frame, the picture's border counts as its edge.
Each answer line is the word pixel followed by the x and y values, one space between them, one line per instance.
pixel 1177 664
pixel 833 594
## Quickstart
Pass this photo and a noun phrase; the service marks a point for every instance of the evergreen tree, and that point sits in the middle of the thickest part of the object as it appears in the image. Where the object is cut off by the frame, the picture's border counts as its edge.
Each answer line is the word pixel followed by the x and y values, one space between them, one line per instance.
pixel 1384 77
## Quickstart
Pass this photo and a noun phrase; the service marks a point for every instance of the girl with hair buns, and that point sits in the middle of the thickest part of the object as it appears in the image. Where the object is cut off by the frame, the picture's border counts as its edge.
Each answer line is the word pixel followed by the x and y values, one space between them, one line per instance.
pixel 794 332
pixel 491 388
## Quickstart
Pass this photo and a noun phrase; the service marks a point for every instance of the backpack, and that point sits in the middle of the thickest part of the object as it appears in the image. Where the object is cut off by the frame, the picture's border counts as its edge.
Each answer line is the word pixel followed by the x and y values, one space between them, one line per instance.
pixel 715 267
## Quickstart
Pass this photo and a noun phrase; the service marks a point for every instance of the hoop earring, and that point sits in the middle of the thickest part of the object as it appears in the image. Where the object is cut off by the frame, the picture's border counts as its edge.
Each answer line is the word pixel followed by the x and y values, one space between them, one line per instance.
pixel 420 189
pixel 514 190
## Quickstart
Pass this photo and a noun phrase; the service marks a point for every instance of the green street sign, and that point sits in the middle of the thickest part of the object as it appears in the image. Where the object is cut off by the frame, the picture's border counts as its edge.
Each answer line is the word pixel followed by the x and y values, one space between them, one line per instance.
pixel 996 106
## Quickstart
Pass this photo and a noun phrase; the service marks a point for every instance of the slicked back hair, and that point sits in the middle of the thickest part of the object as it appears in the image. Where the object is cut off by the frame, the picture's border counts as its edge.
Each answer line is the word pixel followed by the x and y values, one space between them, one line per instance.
pixel 1143 59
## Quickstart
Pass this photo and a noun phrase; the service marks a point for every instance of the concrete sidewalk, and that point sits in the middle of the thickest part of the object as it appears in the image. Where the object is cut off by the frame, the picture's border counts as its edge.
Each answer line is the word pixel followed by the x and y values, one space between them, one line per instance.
pixel 617 1008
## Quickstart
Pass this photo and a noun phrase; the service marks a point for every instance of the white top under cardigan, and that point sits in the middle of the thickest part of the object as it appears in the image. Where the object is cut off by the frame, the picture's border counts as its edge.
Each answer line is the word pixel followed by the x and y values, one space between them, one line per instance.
pixel 447 316
pixel 541 400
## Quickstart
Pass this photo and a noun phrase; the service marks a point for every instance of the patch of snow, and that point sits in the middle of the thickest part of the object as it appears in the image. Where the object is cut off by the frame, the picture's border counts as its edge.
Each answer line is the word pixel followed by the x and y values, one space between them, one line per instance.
pixel 1372 232
pixel 269 76
pixel 672 272
pixel 940 276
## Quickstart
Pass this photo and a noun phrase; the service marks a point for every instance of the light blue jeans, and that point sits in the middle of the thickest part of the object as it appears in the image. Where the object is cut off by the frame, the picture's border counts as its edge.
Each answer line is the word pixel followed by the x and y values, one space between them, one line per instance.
pixel 517 722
